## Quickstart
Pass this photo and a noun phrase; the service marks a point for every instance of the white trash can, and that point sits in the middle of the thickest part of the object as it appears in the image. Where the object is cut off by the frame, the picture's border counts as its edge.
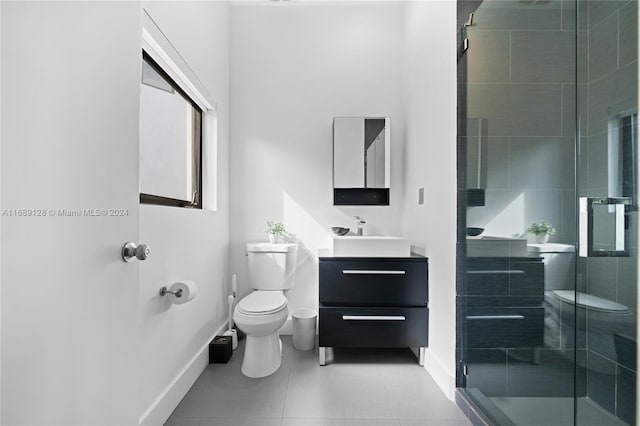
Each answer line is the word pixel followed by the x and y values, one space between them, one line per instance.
pixel 304 329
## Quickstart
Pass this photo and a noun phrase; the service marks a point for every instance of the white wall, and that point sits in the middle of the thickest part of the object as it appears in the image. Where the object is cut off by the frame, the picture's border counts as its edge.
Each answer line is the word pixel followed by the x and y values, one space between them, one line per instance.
pixel 430 162
pixel 0 209
pixel 75 67
pixel 293 68
pixel 186 244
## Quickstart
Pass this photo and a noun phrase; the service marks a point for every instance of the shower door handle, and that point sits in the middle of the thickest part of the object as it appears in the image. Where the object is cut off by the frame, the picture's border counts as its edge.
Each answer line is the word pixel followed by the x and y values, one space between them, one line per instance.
pixel 593 238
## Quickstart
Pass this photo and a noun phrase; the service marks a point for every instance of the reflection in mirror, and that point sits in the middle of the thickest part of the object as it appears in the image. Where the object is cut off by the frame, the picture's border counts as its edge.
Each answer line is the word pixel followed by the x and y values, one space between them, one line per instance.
pixel 361 160
pixel 361 149
pixel 477 153
pixel 374 147
pixel 607 232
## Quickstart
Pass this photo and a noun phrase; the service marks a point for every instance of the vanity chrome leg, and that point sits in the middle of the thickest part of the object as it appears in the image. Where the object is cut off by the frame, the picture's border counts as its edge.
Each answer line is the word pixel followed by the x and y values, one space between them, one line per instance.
pixel 322 354
pixel 535 356
pixel 422 356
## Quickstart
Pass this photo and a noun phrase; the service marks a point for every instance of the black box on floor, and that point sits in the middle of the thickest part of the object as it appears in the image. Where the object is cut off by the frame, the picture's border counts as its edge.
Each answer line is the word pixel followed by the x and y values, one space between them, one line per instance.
pixel 220 349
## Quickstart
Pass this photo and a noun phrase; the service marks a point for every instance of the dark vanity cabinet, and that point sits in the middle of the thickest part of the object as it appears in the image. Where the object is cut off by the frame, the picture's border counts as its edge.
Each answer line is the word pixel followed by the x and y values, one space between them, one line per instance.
pixel 505 302
pixel 373 302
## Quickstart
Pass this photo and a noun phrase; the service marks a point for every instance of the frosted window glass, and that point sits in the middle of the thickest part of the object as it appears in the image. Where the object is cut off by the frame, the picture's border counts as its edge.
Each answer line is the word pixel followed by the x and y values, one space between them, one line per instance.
pixel 169 141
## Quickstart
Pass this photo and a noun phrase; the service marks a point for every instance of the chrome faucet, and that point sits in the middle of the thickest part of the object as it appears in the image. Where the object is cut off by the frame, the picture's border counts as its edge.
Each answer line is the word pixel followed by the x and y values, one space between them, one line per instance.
pixel 359 223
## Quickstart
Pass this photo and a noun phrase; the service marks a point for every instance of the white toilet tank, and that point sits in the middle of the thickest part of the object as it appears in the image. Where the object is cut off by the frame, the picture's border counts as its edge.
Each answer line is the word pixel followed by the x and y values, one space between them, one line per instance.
pixel 271 266
pixel 559 264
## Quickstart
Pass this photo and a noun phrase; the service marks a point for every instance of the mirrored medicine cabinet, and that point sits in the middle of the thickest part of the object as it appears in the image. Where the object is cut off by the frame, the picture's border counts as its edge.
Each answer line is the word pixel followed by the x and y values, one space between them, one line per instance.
pixel 361 160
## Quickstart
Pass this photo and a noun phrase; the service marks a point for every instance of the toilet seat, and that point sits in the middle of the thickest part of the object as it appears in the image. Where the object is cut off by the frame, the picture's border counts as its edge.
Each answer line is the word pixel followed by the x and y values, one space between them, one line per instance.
pixel 262 303
pixel 590 302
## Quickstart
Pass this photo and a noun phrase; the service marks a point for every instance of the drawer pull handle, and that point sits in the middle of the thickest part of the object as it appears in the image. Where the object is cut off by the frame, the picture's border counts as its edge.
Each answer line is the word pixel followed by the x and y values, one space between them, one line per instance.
pixel 493 317
pixel 499 271
pixel 370 272
pixel 373 317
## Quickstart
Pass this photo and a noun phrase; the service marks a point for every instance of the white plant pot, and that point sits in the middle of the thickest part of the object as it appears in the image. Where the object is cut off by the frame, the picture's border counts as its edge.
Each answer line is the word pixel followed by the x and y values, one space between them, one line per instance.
pixel 276 239
pixel 542 239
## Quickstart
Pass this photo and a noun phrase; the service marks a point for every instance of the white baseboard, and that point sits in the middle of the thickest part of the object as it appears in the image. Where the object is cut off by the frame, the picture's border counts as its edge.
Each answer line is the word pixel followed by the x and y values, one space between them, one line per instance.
pixel 440 374
pixel 160 410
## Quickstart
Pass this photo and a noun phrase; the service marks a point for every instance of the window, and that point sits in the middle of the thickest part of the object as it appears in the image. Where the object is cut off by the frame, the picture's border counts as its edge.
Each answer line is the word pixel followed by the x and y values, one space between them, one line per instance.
pixel 170 141
pixel 178 128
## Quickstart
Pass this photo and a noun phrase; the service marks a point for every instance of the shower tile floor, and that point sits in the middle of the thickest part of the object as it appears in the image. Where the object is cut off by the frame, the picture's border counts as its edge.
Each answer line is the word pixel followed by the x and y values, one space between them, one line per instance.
pixel 373 387
pixel 527 411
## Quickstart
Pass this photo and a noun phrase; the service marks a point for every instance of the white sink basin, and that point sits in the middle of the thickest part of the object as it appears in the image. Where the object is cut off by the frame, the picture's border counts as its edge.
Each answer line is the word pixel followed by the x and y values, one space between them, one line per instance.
pixel 370 246
pixel 496 247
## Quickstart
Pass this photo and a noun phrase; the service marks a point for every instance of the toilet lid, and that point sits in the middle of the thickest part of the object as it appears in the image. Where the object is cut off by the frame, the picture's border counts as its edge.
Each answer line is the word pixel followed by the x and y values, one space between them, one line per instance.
pixel 262 303
pixel 589 301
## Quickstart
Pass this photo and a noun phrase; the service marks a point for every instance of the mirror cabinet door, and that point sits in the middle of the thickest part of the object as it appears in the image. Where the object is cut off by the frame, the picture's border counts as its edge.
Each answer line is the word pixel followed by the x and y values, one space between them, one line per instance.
pixel 348 152
pixel 361 161
pixel 361 152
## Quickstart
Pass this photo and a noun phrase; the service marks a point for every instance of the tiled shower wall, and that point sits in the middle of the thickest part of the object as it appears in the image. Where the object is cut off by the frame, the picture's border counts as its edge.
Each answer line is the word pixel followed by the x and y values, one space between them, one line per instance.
pixel 522 74
pixel 521 79
pixel 612 83
pixel 521 86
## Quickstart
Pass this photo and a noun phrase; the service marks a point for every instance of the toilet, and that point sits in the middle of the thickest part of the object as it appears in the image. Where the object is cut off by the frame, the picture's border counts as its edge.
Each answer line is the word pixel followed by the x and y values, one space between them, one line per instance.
pixel 264 311
pixel 559 271
pixel 564 306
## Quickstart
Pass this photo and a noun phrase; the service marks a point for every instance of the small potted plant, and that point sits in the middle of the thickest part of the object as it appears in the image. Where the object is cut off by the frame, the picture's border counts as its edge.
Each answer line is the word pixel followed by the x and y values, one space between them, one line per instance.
pixel 276 231
pixel 541 231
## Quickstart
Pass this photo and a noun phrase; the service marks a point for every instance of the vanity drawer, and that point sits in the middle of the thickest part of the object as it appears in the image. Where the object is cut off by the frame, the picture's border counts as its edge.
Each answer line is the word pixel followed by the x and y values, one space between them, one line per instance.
pixel 505 327
pixel 374 282
pixel 373 327
pixel 505 277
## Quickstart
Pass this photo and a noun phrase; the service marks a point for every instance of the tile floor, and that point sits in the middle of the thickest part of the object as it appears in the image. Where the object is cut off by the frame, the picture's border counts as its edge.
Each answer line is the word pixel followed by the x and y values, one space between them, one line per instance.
pixel 554 411
pixel 381 387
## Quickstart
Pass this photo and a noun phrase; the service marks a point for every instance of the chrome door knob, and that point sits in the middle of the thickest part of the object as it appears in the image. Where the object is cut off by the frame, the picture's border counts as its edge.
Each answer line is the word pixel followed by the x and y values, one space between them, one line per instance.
pixel 132 251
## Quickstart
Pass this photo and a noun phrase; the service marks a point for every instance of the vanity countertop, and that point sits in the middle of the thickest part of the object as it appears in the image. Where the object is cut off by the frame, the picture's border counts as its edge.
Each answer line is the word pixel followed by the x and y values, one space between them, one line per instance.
pixel 325 254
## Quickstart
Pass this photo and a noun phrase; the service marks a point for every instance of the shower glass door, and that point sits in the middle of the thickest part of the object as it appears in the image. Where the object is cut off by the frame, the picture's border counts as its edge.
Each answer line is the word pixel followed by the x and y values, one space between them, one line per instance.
pixel 607 264
pixel 548 141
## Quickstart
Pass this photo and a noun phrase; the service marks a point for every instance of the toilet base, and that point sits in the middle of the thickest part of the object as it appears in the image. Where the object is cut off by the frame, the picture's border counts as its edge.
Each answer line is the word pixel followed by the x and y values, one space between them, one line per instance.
pixel 262 355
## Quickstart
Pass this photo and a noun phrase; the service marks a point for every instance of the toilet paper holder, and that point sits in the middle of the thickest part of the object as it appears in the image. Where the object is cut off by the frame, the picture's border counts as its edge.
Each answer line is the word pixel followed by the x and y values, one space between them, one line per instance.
pixel 164 290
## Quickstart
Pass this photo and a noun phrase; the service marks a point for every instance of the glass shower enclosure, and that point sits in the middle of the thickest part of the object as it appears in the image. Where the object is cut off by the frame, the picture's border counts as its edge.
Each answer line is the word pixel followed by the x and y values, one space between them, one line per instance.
pixel 547 145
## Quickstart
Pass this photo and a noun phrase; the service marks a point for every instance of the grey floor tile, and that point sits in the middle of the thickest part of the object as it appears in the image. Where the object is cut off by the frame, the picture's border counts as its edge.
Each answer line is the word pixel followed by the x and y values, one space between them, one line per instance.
pixel 415 408
pixel 183 421
pixel 218 421
pixel 223 391
pixel 286 421
pixel 360 388
pixel 339 422
pixel 236 421
pixel 338 391
pixel 435 422
pixel 415 395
